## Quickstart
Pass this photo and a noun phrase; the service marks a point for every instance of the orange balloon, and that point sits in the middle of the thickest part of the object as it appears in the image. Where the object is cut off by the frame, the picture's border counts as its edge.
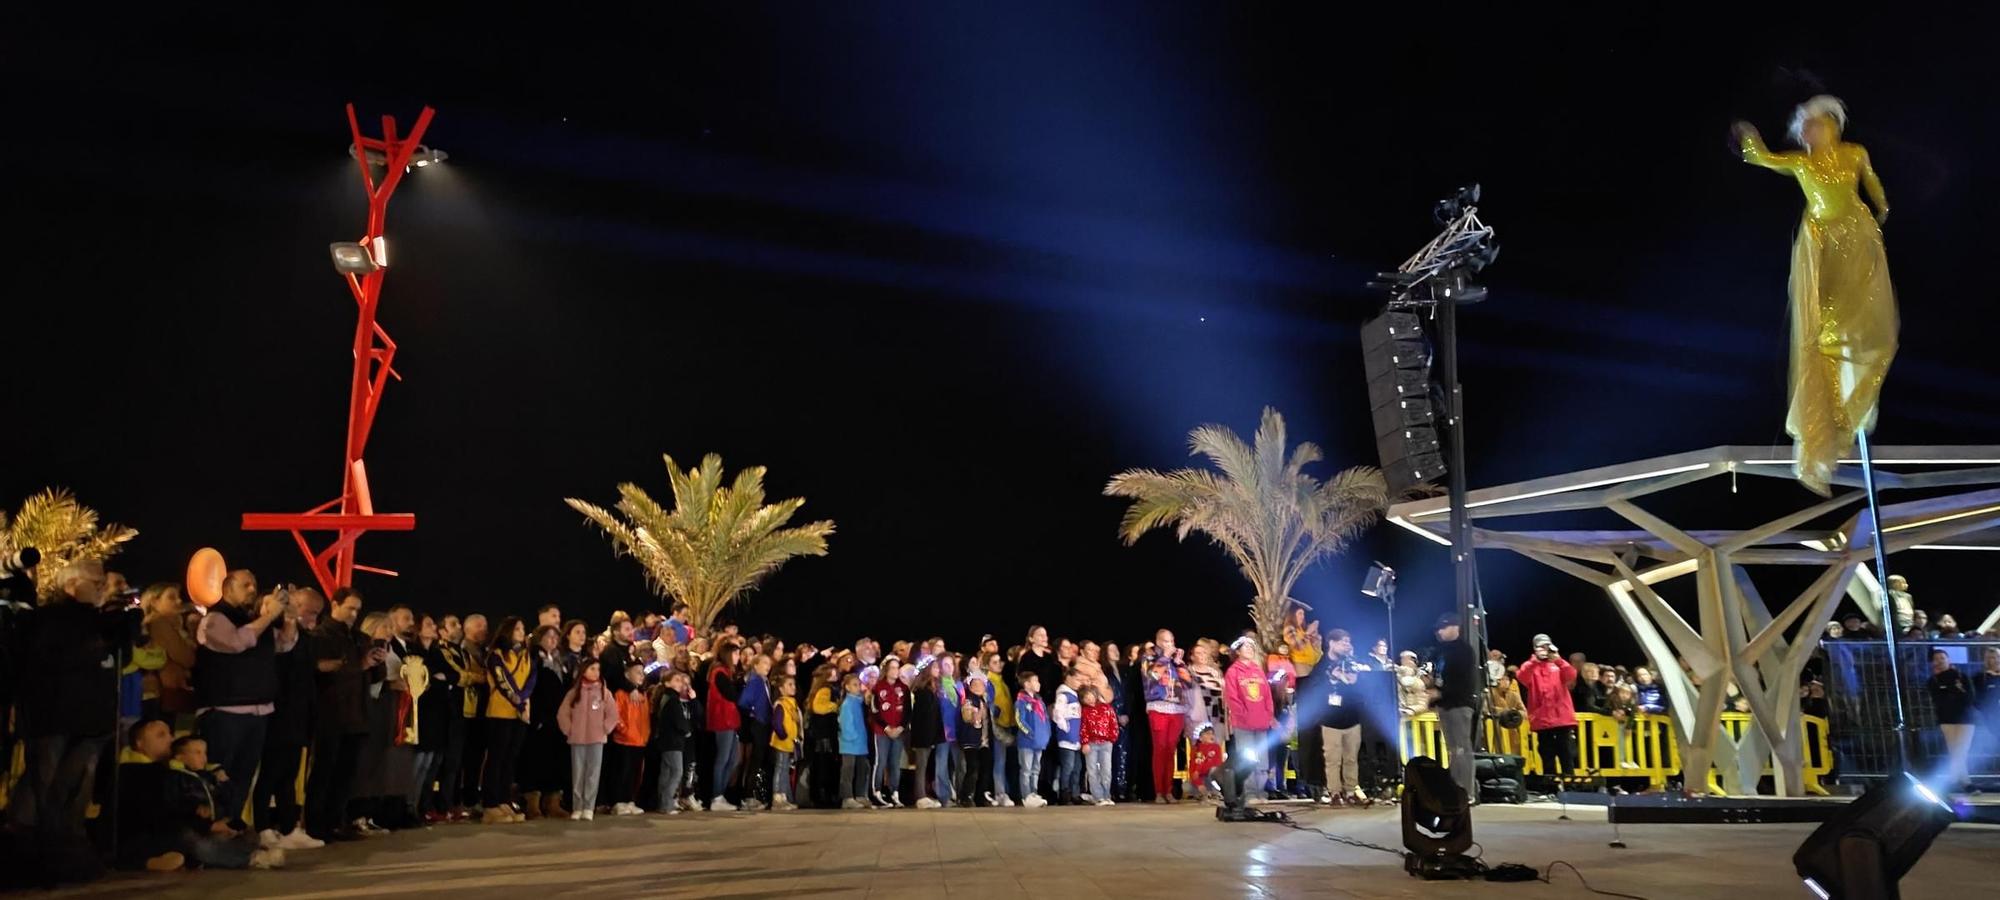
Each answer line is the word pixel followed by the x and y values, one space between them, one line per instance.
pixel 204 577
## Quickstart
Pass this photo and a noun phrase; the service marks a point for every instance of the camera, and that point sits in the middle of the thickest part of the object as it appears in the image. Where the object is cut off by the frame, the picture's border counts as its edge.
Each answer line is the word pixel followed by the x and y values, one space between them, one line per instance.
pixel 19 562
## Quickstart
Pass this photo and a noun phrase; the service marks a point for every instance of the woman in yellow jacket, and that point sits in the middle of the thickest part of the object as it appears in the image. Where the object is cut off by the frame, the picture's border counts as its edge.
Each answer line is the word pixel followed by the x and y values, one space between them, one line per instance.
pixel 1001 698
pixel 510 672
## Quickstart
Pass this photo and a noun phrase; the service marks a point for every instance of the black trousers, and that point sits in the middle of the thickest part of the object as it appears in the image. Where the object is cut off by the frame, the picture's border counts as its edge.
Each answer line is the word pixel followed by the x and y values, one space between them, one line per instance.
pixel 451 761
pixel 757 762
pixel 1558 749
pixel 975 779
pixel 472 763
pixel 503 752
pixel 274 802
pixel 330 782
pixel 621 774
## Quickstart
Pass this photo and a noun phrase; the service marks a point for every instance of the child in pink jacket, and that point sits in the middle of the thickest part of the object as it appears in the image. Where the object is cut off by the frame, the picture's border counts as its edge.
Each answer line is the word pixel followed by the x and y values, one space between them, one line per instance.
pixel 587 716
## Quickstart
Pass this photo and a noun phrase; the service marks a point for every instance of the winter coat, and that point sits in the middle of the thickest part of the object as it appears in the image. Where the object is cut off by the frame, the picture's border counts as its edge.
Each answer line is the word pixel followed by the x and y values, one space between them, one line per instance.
pixel 785 726
pixel 926 726
pixel 66 656
pixel 588 714
pixel 722 693
pixel 1067 720
pixel 1246 690
pixel 755 701
pixel 1166 685
pixel 635 719
pixel 1651 699
pixel 1545 688
pixel 511 674
pixel 853 727
pixel 888 701
pixel 675 721
pixel 1100 724
pixel 342 706
pixel 975 721
pixel 1031 719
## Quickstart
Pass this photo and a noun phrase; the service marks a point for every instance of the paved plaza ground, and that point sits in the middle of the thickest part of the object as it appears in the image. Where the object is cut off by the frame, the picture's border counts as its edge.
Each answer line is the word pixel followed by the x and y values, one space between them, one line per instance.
pixel 1084 852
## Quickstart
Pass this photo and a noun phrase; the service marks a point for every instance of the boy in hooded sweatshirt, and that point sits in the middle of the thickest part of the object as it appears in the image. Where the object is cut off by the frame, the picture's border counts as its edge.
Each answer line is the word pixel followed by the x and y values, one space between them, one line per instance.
pixel 854 771
pixel 1031 720
pixel 676 718
pixel 626 754
pixel 209 837
pixel 1067 722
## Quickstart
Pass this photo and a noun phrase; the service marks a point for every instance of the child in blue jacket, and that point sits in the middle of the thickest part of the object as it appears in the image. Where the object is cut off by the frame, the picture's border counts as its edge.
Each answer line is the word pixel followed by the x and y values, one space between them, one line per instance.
pixel 1031 718
pixel 854 769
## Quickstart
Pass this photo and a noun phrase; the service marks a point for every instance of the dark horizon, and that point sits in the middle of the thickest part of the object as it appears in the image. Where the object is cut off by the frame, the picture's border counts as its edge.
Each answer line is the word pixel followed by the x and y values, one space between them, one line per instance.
pixel 943 273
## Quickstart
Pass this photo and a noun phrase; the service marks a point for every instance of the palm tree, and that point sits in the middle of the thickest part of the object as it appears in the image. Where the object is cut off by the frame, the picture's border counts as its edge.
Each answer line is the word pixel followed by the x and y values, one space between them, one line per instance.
pixel 1259 505
pixel 716 543
pixel 65 532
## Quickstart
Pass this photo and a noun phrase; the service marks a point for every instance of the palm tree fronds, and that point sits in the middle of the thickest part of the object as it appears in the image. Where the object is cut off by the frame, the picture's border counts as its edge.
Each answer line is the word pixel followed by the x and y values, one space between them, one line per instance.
pixel 65 531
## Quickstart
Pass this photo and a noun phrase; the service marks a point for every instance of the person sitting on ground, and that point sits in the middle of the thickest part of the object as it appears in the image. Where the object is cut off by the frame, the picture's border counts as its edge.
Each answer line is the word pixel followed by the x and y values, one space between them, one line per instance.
pixel 148 835
pixel 1207 758
pixel 208 835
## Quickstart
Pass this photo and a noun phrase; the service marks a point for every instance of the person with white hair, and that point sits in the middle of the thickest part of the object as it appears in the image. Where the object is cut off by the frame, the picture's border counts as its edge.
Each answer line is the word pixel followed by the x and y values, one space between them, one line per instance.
pixel 1843 306
pixel 71 650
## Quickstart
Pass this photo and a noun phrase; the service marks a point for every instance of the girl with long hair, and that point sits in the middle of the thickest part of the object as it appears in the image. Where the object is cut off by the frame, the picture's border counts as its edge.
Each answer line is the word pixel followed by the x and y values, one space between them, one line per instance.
pixel 511 673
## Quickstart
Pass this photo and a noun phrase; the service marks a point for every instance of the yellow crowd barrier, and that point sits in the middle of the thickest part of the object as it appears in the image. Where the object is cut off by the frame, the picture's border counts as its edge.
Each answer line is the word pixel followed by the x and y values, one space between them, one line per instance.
pixel 1641 747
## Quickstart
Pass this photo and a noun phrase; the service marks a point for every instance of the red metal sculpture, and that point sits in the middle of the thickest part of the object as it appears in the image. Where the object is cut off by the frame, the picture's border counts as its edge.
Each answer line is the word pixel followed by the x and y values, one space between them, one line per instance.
pixel 353 513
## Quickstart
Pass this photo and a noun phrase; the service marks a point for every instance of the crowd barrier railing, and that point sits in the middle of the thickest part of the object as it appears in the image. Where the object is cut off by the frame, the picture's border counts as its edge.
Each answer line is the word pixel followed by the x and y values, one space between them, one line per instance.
pixel 1641 747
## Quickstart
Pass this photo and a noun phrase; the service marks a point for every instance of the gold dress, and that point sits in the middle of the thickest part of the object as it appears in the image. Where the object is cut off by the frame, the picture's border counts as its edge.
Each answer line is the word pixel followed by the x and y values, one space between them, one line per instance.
pixel 1843 307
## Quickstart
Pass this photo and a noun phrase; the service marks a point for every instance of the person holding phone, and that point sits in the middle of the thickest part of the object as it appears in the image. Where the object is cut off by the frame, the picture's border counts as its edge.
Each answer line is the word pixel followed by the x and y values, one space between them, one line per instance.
pixel 1546 681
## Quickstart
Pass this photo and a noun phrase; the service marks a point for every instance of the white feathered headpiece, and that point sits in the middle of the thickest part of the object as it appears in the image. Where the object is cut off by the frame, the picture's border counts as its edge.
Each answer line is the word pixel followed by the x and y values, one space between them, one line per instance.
pixel 1822 105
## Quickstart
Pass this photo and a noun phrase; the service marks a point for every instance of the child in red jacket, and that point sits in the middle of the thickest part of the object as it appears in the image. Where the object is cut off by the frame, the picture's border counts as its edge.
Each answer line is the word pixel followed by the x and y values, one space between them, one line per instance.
pixel 1207 757
pixel 1100 733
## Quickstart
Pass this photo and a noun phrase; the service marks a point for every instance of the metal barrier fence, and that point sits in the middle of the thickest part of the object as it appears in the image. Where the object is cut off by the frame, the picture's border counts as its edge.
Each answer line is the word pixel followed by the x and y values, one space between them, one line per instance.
pixel 1861 708
pixel 1642 747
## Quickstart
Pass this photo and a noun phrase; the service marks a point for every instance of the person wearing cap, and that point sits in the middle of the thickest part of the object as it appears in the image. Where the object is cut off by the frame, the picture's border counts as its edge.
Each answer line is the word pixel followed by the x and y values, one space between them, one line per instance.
pixel 1459 675
pixel 1545 686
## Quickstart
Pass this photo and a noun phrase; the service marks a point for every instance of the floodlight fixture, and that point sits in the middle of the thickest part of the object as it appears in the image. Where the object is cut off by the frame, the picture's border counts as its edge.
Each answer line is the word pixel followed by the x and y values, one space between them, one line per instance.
pixel 350 258
pixel 1868 846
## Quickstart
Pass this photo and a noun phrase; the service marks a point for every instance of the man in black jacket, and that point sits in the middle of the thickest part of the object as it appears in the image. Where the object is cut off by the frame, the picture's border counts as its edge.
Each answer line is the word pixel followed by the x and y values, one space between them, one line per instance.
pixel 71 650
pixel 347 666
pixel 1461 680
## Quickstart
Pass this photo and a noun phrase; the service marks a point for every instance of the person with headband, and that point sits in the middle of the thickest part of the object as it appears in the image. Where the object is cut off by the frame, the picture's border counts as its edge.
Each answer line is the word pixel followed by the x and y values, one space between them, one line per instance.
pixel 1843 306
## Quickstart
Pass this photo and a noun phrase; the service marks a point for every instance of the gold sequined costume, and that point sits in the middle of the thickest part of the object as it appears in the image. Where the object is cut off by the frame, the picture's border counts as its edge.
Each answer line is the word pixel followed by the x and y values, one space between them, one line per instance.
pixel 1843 307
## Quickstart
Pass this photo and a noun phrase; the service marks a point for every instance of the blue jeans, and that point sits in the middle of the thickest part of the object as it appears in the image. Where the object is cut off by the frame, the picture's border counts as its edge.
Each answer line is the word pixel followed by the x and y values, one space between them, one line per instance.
pixel 888 774
pixel 423 767
pixel 725 763
pixel 1069 769
pixel 1098 763
pixel 236 743
pixel 781 774
pixel 586 767
pixel 946 761
pixel 1000 786
pixel 672 774
pixel 1031 770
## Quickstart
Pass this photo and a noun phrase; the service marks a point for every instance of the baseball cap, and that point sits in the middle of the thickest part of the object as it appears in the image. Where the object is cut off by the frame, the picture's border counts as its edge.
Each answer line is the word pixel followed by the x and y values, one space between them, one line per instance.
pixel 1542 640
pixel 1445 620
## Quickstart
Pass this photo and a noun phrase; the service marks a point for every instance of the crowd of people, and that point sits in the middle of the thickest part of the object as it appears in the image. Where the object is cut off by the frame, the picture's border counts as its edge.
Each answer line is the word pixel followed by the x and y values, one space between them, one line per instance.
pixel 278 721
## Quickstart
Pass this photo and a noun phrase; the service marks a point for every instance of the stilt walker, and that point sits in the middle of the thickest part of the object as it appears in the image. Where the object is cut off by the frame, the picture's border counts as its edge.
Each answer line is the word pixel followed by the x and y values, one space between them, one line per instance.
pixel 1843 312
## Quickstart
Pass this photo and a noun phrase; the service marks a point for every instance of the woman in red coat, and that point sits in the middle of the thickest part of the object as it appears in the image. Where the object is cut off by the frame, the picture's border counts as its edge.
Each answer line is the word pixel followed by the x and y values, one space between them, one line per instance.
pixel 1545 684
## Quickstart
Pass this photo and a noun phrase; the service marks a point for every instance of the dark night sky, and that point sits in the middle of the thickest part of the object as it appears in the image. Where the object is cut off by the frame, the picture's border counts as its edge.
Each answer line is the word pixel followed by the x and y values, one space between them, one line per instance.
pixel 943 272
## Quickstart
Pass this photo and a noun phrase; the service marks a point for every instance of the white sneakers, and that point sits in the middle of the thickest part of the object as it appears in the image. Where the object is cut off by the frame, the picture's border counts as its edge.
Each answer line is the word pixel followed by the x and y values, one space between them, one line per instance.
pixel 626 809
pixel 270 858
pixel 721 805
pixel 590 815
pixel 928 803
pixel 780 804
pixel 853 803
pixel 576 816
pixel 752 805
pixel 896 800
pixel 1006 801
pixel 1107 802
pixel 989 799
pixel 298 839
pixel 1034 801
pixel 268 839
pixel 688 804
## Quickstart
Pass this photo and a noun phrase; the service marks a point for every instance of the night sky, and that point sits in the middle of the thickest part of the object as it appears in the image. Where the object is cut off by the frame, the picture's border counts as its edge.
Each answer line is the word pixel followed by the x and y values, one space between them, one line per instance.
pixel 943 272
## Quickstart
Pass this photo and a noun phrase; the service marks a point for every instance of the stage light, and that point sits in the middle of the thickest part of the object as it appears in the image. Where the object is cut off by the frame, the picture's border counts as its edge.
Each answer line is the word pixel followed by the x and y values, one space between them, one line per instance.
pixel 1867 847
pixel 350 258
pixel 1437 822
pixel 1379 582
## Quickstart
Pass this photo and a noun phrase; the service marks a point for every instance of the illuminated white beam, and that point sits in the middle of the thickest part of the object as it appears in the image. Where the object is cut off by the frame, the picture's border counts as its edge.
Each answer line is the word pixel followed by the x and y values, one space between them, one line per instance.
pixel 1657 574
pixel 1953 547
pixel 1602 482
pixel 1945 518
pixel 1884 462
pixel 1421 531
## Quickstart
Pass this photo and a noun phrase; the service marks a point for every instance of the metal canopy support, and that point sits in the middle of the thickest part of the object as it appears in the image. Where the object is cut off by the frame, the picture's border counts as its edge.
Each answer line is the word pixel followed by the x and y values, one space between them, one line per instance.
pixel 1736 638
